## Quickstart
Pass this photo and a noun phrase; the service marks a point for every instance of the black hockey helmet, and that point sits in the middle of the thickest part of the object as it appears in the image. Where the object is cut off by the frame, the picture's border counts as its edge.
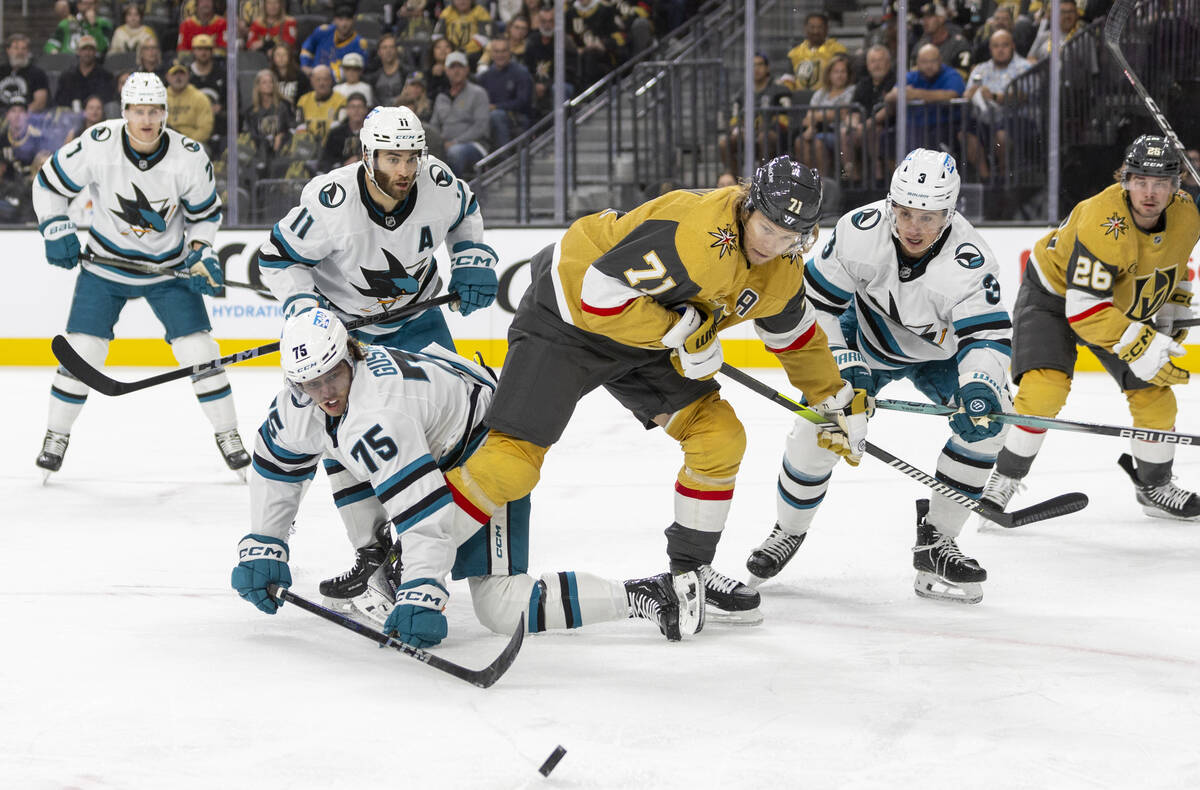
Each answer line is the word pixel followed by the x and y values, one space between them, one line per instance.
pixel 1151 155
pixel 788 194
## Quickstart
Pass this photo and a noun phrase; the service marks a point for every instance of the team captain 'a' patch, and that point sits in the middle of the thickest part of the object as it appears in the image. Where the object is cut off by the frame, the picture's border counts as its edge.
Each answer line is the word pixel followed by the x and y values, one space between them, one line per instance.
pixel 726 240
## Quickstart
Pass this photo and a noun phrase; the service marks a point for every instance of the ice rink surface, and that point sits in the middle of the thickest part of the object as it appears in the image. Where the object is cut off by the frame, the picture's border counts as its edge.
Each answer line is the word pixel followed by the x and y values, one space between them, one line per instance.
pixel 128 662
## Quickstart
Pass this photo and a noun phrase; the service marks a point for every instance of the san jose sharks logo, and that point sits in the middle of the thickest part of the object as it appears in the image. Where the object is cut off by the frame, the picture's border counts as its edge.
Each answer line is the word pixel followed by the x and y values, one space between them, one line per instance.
pixel 387 286
pixel 726 240
pixel 142 215
pixel 1116 225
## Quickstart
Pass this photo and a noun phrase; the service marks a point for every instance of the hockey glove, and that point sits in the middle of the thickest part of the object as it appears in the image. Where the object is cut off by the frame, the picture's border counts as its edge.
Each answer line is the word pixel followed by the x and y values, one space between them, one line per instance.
pixel 205 270
pixel 1177 308
pixel 302 303
pixel 417 619
pixel 855 371
pixel 62 245
pixel 976 401
pixel 697 349
pixel 261 561
pixel 1148 355
pixel 849 409
pixel 473 275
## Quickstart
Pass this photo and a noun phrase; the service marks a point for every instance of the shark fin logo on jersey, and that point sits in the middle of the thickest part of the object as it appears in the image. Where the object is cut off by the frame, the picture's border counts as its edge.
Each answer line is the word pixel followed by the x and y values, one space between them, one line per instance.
pixel 387 285
pixel 1150 293
pixel 141 216
pixel 1116 225
pixel 866 219
pixel 440 176
pixel 726 240
pixel 101 133
pixel 968 256
pixel 332 195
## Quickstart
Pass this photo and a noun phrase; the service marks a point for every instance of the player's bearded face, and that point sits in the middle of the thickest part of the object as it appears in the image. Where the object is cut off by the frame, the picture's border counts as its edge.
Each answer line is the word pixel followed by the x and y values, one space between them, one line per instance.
pixel 1148 196
pixel 395 172
pixel 330 392
pixel 764 240
pixel 917 228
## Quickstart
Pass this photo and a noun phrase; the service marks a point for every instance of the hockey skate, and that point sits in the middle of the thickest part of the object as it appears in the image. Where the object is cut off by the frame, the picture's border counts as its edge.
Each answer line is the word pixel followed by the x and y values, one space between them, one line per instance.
pixel 772 554
pixel 943 572
pixel 675 603
pixel 1158 501
pixel 1000 490
pixel 232 450
pixel 728 600
pixel 371 576
pixel 54 447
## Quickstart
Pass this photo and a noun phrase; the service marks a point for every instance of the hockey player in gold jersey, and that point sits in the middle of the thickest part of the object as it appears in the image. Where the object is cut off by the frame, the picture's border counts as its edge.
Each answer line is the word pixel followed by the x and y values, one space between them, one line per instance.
pixel 632 302
pixel 1112 277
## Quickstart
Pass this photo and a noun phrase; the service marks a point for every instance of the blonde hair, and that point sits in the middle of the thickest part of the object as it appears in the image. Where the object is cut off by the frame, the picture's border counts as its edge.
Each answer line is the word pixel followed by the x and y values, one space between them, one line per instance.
pixel 256 97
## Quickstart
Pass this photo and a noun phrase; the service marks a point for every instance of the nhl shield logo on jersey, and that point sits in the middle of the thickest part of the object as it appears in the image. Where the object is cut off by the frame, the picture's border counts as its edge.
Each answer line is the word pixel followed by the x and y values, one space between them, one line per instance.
pixel 141 215
pixel 726 240
pixel 332 195
pixel 1116 225
pixel 866 219
pixel 968 256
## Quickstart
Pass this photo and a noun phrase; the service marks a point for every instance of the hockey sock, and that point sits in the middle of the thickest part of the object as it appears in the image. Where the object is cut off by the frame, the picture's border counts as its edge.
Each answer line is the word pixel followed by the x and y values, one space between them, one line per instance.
pixel 1020 448
pixel 803 479
pixel 966 467
pixel 211 387
pixel 555 601
pixel 67 393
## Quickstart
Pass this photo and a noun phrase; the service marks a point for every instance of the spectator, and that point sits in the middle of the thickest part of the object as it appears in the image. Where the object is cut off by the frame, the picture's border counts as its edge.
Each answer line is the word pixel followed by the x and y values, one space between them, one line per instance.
pixel 466 25
pixel 952 46
pixel 189 111
pixel 820 133
pixel 726 179
pixel 274 25
pixel 414 97
pixel 1068 22
pixel 1001 19
pixel 19 77
pixel 435 76
pixel 599 38
pixel 293 82
pixel 62 11
pixel 507 10
pixel 934 84
pixel 342 146
pixel 539 59
pixel 207 73
pixel 987 91
pixel 87 78
pixel 516 33
pixel 461 117
pixel 529 11
pixel 85 23
pixel 867 126
pixel 269 119
pixel 388 80
pixel 810 57
pixel 93 113
pixel 129 36
pixel 207 23
pixel 352 82
pixel 112 108
pixel 414 21
pixel 510 93
pixel 149 58
pixel 320 107
pixel 22 139
pixel 769 136
pixel 328 44
pixel 635 21
pixel 1187 182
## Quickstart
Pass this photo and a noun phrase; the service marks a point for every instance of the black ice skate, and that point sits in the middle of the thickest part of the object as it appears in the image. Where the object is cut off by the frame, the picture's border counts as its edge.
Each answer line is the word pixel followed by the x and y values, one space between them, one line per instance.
pixel 728 600
pixel 368 570
pixel 772 554
pixel 943 572
pixel 54 447
pixel 1159 501
pixel 675 603
pixel 232 450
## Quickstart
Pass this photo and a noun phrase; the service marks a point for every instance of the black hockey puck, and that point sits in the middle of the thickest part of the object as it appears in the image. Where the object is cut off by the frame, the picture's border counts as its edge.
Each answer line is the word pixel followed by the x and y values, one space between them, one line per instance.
pixel 552 760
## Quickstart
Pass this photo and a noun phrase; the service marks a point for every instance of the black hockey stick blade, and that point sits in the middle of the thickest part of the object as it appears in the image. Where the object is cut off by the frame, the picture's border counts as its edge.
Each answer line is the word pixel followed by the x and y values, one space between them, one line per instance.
pixel 1052 508
pixel 78 367
pixel 483 678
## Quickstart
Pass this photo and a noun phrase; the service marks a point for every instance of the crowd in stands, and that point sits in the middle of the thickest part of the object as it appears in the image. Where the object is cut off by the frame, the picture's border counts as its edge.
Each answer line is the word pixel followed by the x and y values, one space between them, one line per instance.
pixel 477 73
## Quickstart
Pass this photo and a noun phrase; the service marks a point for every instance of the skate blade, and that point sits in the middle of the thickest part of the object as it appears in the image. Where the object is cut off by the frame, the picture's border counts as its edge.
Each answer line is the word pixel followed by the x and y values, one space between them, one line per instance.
pixel 46 476
pixel 241 473
pixel 927 585
pixel 690 594
pixel 1154 512
pixel 753 581
pixel 749 617
pixel 343 605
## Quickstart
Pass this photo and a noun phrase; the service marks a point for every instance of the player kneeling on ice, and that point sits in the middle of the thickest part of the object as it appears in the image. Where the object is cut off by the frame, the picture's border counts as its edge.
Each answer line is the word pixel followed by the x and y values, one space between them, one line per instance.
pixel 390 423
pixel 906 288
pixel 156 204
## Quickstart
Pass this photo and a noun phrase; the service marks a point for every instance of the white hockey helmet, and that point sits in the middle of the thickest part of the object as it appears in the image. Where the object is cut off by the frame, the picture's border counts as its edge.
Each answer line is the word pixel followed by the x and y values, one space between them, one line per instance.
pixel 144 87
pixel 926 180
pixel 391 129
pixel 312 344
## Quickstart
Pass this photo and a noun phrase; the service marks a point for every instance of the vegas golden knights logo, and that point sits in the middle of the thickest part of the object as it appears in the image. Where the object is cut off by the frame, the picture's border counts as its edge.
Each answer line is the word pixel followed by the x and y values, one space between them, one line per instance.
pixel 1150 293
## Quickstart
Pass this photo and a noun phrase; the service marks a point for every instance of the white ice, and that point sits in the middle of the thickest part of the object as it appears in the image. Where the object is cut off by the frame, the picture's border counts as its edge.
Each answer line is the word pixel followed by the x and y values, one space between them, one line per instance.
pixel 128 662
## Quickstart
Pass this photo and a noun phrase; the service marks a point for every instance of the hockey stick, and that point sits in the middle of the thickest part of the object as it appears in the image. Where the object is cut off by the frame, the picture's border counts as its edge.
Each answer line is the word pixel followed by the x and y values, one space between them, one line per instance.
pixel 145 268
pixel 1118 17
pixel 78 367
pixel 1186 322
pixel 1058 506
pixel 483 678
pixel 1031 421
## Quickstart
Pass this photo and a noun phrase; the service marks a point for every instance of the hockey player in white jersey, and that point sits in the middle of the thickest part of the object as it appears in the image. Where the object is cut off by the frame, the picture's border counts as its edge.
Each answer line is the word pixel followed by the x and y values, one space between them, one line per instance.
pixel 155 203
pixel 907 288
pixel 390 423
